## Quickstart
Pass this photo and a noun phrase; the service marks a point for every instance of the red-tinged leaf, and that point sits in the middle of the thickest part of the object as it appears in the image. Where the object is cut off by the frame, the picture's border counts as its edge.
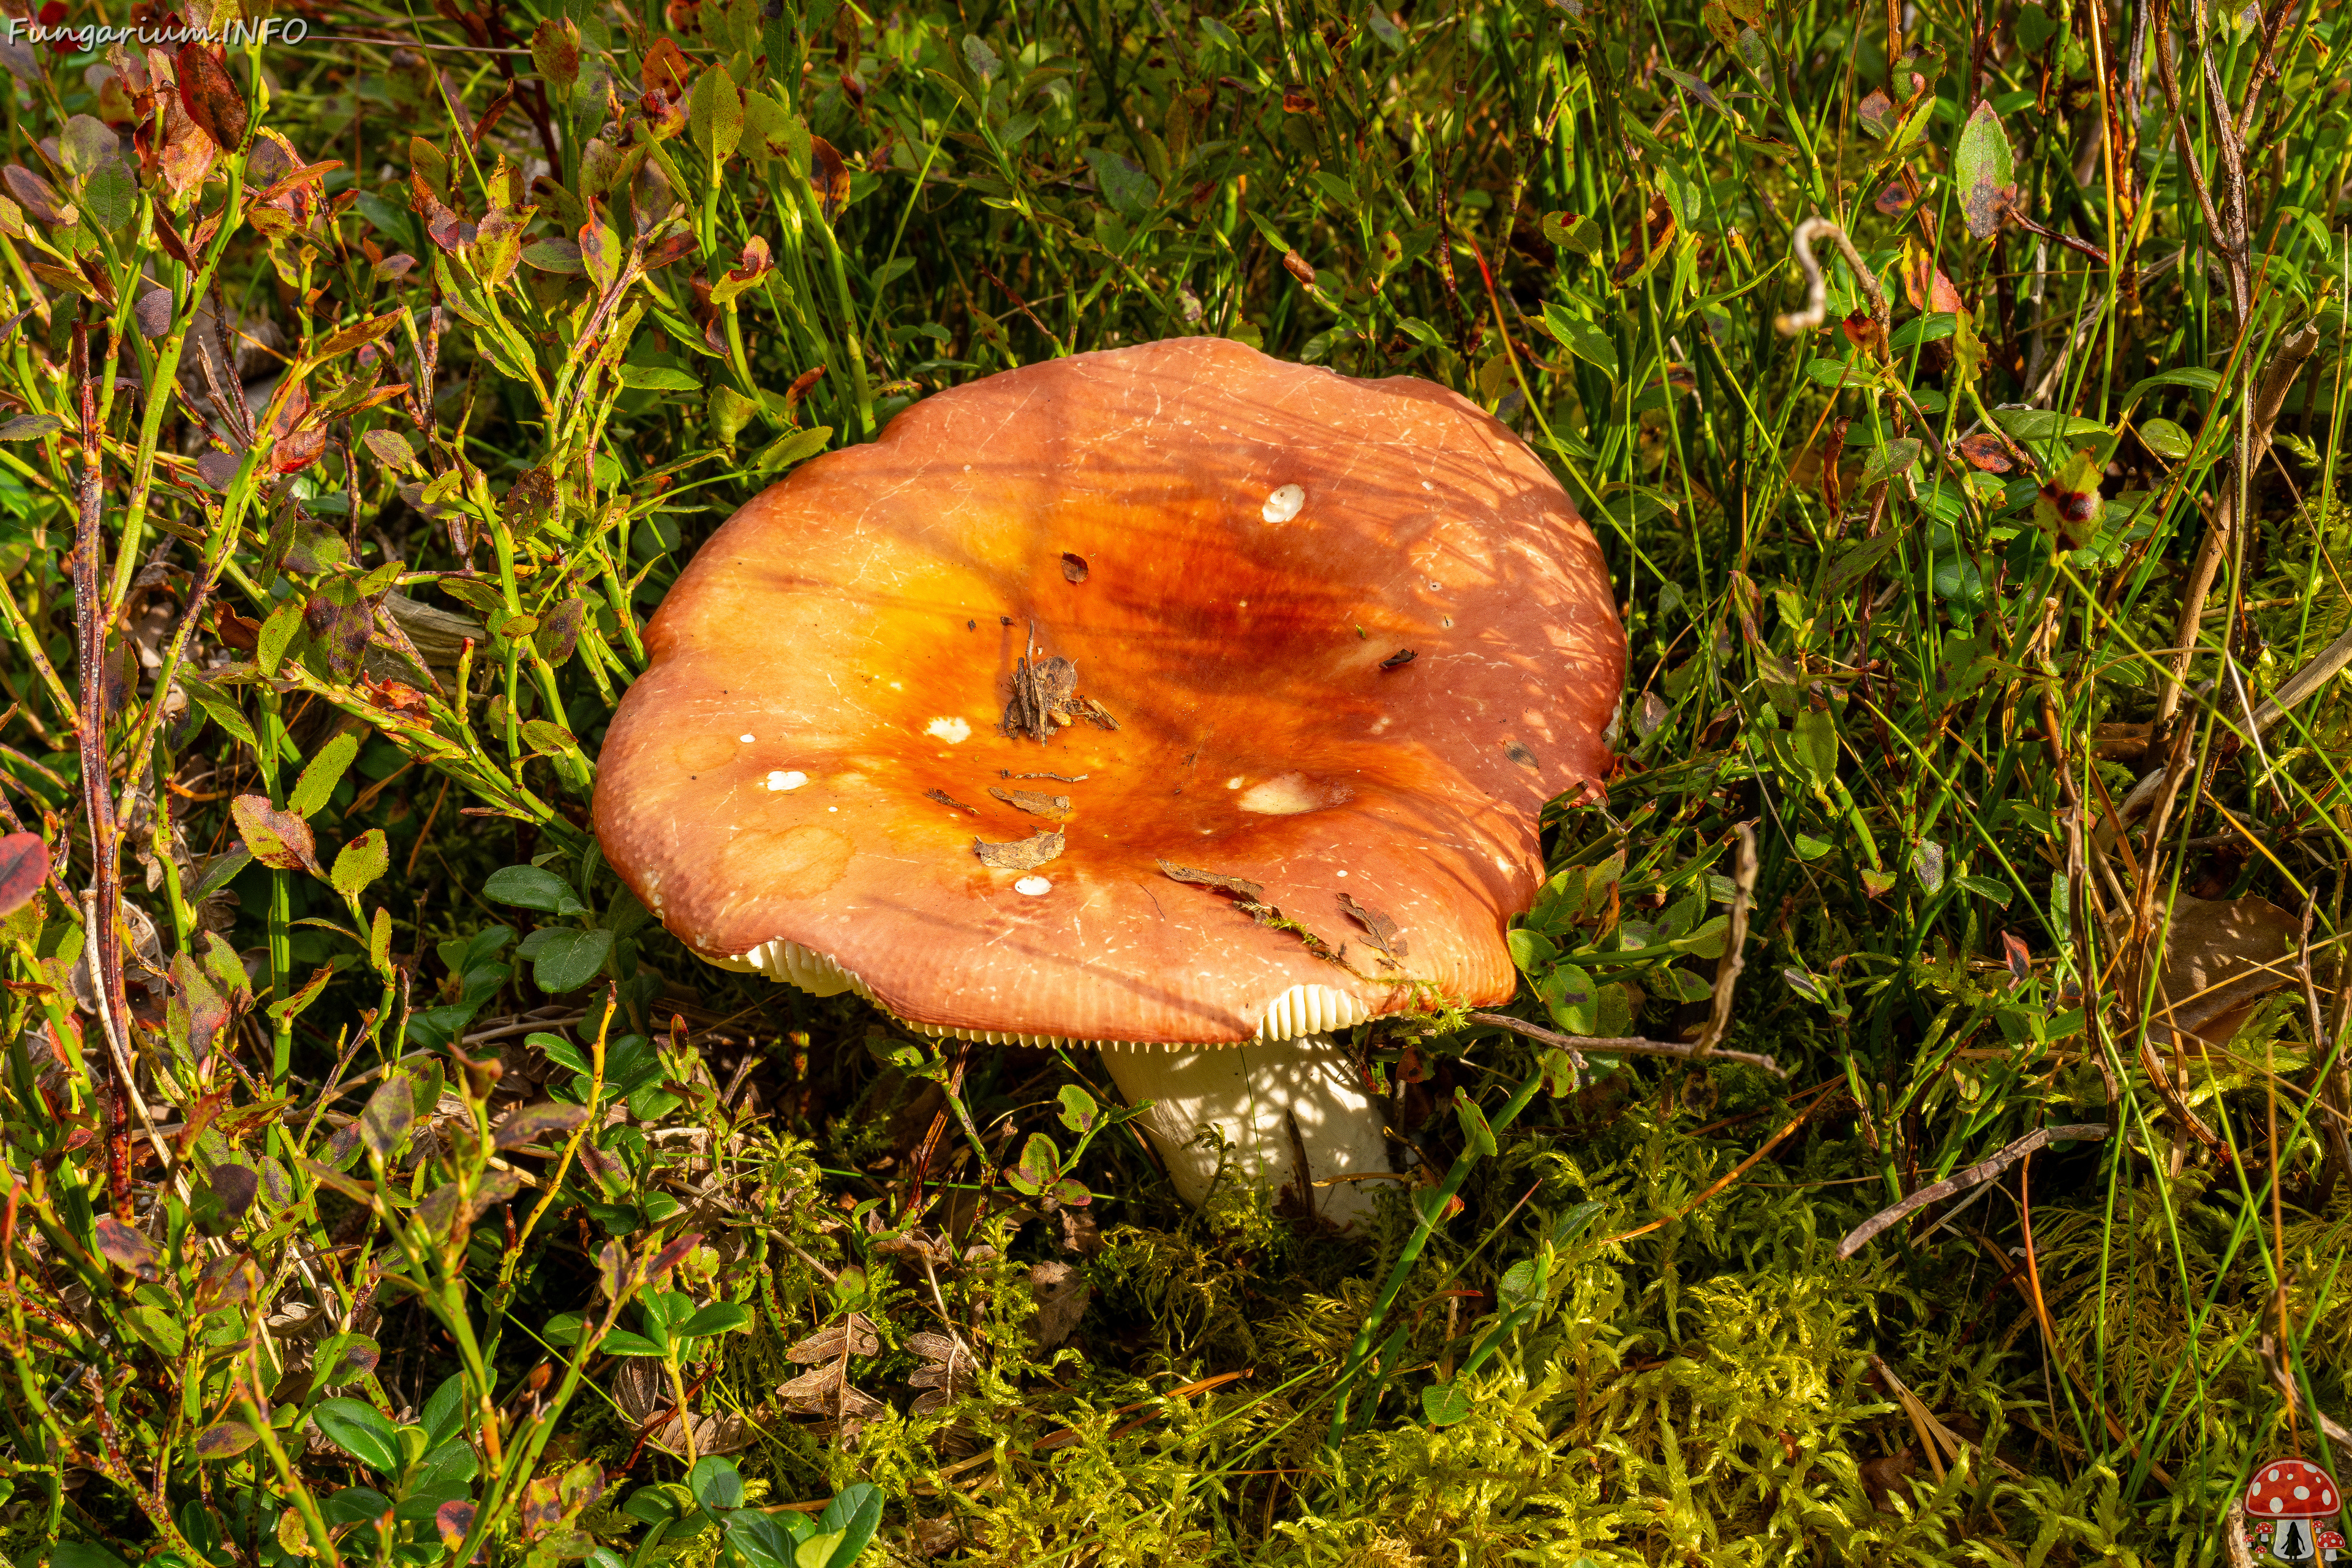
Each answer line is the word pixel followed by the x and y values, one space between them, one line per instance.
pixel 665 70
pixel 1299 268
pixel 211 96
pixel 224 1440
pixel 169 238
pixel 1925 285
pixel 1986 170
pixel 2018 958
pixel 453 1521
pixel 802 385
pixel 677 247
pixel 533 1123
pixel 218 469
pixel 23 867
pixel 498 105
pixel 39 199
pixel 828 177
pixel 1894 200
pixel 669 1256
pixel 279 839
pixel 1876 112
pixel 345 340
pixel 126 1249
pixel 1985 452
pixel 1860 329
pixel 292 453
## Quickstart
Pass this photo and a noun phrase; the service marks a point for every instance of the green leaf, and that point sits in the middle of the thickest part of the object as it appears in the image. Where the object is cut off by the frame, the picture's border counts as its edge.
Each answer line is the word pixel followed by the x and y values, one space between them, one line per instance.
pixel 567 960
pixel 360 861
pixel 1129 190
pixel 2043 425
pixel 1476 1133
pixel 716 1484
pixel 359 1431
pixel 2195 378
pixel 1817 743
pixel 1582 338
pixel 786 450
pixel 276 633
pixel 2166 439
pixel 1040 1165
pixel 658 378
pixel 1532 950
pixel 531 887
pixel 1444 1404
pixel 853 1515
pixel 1895 458
pixel 1573 1001
pixel 323 773
pixel 620 1341
pixel 82 1554
pixel 390 1110
pixel 715 116
pixel 111 197
pixel 1079 1110
pixel 1986 170
pixel 718 1318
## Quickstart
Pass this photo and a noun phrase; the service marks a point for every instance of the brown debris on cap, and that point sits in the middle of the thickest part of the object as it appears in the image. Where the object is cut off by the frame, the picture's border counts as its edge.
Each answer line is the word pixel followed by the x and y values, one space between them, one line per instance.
pixel 1260 538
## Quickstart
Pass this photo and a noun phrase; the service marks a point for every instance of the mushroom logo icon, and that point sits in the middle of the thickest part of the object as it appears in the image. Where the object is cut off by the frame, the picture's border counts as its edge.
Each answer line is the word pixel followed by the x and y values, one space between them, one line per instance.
pixel 2290 1510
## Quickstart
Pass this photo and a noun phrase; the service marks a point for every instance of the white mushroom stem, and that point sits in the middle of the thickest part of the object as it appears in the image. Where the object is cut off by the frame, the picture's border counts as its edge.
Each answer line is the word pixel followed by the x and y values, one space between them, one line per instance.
pixel 1271 1101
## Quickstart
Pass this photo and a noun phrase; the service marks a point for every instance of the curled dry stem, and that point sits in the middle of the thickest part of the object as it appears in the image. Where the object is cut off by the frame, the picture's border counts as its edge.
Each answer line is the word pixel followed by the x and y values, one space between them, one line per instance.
pixel 1817 294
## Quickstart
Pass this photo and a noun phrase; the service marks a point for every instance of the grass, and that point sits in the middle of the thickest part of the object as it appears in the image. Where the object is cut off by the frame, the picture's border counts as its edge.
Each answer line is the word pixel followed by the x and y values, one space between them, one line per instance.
pixel 383 1181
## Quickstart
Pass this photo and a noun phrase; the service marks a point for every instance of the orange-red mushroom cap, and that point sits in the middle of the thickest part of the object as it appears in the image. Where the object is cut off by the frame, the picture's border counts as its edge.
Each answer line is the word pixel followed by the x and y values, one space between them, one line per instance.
pixel 1335 640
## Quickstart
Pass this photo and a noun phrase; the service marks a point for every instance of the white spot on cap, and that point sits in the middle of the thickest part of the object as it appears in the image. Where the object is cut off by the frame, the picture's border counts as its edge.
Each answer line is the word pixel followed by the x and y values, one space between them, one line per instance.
pixel 954 731
pixel 1283 504
pixel 1343 873
pixel 783 779
pixel 1032 885
pixel 1427 485
pixel 1234 782
pixel 749 739
pixel 1502 865
pixel 1288 795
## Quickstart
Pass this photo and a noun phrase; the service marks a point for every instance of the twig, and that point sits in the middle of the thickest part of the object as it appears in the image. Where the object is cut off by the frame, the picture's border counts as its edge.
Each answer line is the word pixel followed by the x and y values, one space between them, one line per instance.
pixel 1817 294
pixel 1630 1045
pixel 1726 974
pixel 1983 1170
pixel 105 906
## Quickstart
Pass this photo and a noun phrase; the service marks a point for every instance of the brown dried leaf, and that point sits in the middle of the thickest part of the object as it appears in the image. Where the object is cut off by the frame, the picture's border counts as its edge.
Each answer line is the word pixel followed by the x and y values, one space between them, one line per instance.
pixel 1073 567
pixel 1061 1292
pixel 1240 887
pixel 854 1335
pixel 1022 854
pixel 948 1367
pixel 1384 932
pixel 2214 955
pixel 1036 803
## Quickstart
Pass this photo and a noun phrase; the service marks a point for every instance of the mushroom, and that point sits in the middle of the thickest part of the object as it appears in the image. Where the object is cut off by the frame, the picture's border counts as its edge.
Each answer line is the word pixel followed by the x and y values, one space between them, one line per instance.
pixel 2288 1503
pixel 1171 700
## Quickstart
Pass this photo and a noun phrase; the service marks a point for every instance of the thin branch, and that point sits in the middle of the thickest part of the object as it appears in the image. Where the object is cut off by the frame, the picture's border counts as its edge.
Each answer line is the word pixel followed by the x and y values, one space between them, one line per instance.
pixel 1627 1046
pixel 1983 1170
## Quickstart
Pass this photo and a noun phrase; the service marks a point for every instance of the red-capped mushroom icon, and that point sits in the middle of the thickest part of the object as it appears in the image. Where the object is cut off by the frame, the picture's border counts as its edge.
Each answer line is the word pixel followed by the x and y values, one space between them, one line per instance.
pixel 2331 1545
pixel 2290 1505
